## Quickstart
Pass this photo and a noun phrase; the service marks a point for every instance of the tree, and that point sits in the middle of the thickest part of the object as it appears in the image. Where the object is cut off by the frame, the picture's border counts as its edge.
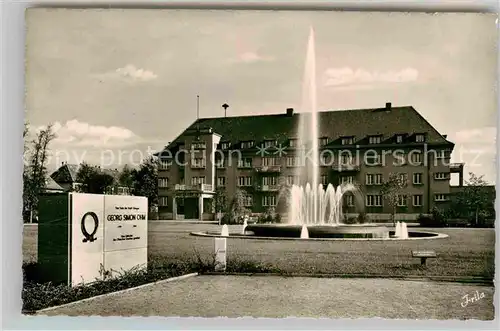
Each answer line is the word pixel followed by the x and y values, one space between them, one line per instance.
pixel 475 199
pixel 93 179
pixel 391 191
pixel 126 177
pixel 237 209
pixel 145 181
pixel 220 200
pixel 36 173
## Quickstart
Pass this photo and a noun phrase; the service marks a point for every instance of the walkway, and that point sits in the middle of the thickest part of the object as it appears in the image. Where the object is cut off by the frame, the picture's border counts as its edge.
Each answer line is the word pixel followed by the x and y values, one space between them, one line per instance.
pixel 272 296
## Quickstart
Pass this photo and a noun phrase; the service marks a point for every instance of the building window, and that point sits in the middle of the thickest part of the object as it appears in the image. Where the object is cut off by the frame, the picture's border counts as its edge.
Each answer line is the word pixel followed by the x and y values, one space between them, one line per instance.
pixel 197 180
pixel 442 154
pixel 248 201
pixel 162 182
pixel 247 144
pixel 347 180
pixel 164 164
pixel 374 201
pixel 419 138
pixel 221 181
pixel 440 176
pixel 374 140
pixel 400 159
pixel 269 143
pixel 198 145
pixel 324 179
pixel 417 178
pixel 292 142
pixel 440 197
pixel 269 181
pixel 225 145
pixel 403 178
pixel 269 161
pixel 346 159
pixel 219 163
pixel 417 200
pixel 416 158
pixel 198 162
pixel 373 179
pixel 245 162
pixel 269 200
pixel 326 159
pixel 349 200
pixel 374 159
pixel 292 161
pixel 163 201
pixel 244 181
pixel 402 200
pixel 347 141
pixel 292 180
pixel 399 138
pixel 323 141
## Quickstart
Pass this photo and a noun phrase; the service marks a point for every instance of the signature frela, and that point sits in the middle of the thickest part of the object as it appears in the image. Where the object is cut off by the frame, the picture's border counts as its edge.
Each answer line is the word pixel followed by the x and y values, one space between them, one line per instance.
pixel 471 299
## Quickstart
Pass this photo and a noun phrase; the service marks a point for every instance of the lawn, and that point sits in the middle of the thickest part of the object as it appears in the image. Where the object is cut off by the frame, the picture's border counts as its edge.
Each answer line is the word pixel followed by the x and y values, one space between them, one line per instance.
pixel 466 252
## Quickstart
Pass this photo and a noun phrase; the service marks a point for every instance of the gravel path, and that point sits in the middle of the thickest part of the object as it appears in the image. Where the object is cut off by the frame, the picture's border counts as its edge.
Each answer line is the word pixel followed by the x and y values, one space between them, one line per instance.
pixel 272 296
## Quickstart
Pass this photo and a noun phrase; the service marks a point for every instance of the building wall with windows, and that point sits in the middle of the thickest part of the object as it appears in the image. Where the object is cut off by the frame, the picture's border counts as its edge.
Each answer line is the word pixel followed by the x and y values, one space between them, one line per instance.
pixel 362 147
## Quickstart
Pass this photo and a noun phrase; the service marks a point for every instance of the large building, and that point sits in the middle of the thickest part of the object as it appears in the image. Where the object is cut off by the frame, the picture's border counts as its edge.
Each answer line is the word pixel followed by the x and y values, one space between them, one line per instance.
pixel 259 155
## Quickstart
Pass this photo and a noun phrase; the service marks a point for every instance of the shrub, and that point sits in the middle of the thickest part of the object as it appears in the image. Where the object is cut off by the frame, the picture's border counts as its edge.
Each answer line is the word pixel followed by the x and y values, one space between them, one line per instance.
pixel 363 218
pixel 350 220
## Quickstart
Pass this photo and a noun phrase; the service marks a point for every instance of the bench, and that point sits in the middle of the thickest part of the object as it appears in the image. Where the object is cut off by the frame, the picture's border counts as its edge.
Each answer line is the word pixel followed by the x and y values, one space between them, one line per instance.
pixel 424 255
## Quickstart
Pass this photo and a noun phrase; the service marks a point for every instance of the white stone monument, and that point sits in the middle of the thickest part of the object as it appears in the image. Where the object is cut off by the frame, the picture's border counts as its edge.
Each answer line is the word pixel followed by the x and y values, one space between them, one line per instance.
pixel 86 237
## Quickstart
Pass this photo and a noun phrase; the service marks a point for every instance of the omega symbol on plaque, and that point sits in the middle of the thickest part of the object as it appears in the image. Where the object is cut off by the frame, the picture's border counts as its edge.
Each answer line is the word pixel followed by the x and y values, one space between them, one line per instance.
pixel 89 236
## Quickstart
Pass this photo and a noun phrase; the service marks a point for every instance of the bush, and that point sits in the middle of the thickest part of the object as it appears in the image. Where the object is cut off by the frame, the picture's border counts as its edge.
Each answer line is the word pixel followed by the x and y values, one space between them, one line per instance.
pixel 351 220
pixel 271 216
pixel 436 219
pixel 363 218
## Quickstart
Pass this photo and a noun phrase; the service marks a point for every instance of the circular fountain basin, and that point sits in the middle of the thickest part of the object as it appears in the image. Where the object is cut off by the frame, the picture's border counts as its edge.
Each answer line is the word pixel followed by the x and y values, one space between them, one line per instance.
pixel 319 231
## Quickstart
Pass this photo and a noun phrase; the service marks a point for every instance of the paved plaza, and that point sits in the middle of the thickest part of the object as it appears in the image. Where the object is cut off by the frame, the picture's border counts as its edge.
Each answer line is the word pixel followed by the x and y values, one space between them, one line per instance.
pixel 273 296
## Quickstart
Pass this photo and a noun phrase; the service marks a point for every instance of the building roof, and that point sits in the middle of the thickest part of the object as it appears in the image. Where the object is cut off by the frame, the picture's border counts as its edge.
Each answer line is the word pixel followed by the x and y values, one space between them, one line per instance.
pixel 356 123
pixel 51 185
pixel 66 173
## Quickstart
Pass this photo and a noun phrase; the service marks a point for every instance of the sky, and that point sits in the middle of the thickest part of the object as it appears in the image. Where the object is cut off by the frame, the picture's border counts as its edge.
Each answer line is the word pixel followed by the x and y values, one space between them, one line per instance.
pixel 118 84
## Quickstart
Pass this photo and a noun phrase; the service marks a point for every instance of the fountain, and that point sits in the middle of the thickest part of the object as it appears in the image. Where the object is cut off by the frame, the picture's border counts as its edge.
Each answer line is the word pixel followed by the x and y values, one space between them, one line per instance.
pixel 315 212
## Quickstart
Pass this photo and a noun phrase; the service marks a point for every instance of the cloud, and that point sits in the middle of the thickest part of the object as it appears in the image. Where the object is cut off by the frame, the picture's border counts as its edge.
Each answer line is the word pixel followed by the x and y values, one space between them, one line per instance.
pixel 476 135
pixel 252 57
pixel 348 78
pixel 74 133
pixel 129 73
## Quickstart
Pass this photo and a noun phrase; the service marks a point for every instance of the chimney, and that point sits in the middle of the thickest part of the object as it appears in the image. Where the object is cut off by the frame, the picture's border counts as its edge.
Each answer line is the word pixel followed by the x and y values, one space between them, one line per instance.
pixel 289 112
pixel 445 136
pixel 388 106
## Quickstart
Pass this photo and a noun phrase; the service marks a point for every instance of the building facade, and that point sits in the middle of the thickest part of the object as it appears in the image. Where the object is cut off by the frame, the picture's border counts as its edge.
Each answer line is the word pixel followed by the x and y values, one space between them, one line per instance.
pixel 260 156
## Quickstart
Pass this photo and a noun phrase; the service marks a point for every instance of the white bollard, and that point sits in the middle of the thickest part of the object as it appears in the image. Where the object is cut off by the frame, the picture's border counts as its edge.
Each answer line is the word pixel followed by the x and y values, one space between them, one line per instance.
pixel 220 254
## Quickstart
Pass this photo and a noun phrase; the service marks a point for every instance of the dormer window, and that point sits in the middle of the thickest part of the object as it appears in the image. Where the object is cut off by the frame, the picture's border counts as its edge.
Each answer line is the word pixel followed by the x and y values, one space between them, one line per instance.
pixel 419 138
pixel 269 143
pixel 292 142
pixel 323 141
pixel 225 145
pixel 399 138
pixel 374 139
pixel 247 144
pixel 347 141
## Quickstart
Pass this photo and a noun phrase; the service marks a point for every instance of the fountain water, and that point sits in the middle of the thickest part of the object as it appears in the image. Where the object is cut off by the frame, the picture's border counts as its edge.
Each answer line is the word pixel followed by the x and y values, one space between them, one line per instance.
pixel 304 233
pixel 225 231
pixel 245 223
pixel 313 204
pixel 397 231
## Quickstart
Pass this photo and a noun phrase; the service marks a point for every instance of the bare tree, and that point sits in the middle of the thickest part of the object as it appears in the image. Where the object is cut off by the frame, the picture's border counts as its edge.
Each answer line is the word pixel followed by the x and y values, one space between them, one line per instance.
pixel 35 175
pixel 392 189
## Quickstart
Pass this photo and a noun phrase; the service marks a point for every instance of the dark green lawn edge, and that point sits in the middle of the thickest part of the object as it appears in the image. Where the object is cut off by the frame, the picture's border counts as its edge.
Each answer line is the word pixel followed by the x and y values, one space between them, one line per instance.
pixel 458 279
